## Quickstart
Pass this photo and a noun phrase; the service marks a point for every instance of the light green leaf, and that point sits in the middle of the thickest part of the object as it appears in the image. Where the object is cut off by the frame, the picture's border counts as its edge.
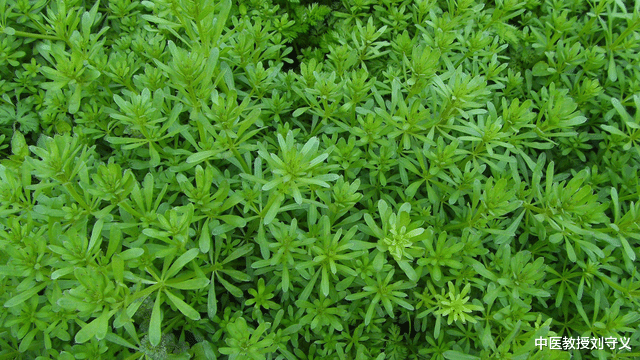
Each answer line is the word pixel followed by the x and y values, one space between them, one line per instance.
pixel 202 156
pixel 155 332
pixel 480 269
pixel 98 328
pixel 542 69
pixel 373 226
pixel 156 234
pixel 613 130
pixel 408 270
pixel 76 98
pixel 212 300
pixel 117 265
pixel 611 72
pixel 628 250
pixel 184 308
pixel 191 284
pixel 273 209
pixel 205 238
pixel 300 111
pixel 571 254
pixel 27 340
pixel 24 296
pixel 181 262
pixel 122 140
pixel 235 221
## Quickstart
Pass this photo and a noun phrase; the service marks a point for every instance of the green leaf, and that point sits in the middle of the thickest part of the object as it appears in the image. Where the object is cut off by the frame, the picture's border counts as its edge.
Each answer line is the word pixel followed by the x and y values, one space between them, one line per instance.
pixel 98 328
pixel 234 290
pixel 236 274
pixel 373 226
pixel 556 238
pixel 120 341
pixel 191 284
pixel 212 299
pixel 221 20
pixel 117 265
pixel 611 72
pixel 408 270
pixel 369 315
pixel 24 296
pixel 62 272
pixel 76 98
pixel 132 143
pixel 183 260
pixel 27 340
pixel 613 130
pixel 628 250
pixel 233 220
pixel 202 156
pixel 510 232
pixel 131 253
pixel 482 270
pixel 154 155
pixel 273 209
pixel 300 111
pixel 96 236
pixel 156 234
pixel 155 332
pixel 542 69
pixel 309 288
pixel 184 308
pixel 571 254
pixel 115 240
pixel 204 351
pixel 378 261
pixel 204 242
pixel 412 189
pixel 239 252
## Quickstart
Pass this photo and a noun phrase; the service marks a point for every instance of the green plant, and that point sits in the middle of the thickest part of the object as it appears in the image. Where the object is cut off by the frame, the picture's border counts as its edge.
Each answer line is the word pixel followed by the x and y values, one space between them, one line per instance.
pixel 275 179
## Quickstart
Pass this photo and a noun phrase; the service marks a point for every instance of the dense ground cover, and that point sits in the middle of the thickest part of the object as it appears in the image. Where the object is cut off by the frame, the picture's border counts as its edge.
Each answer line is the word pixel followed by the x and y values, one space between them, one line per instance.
pixel 273 179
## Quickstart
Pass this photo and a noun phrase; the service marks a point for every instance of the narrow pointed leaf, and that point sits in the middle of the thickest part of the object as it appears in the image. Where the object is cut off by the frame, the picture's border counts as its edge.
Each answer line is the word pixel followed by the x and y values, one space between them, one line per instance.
pixel 184 308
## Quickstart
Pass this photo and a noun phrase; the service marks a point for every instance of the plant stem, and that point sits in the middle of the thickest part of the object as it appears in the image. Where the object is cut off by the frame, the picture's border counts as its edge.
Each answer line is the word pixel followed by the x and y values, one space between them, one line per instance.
pixel 35 36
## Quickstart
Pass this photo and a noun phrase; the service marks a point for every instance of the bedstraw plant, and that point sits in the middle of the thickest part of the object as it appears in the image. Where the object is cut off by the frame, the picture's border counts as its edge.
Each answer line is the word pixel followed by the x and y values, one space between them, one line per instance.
pixel 287 179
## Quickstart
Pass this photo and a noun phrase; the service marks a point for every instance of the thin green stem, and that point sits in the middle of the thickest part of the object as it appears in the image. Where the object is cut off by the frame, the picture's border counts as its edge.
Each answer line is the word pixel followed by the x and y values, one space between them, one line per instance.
pixel 35 36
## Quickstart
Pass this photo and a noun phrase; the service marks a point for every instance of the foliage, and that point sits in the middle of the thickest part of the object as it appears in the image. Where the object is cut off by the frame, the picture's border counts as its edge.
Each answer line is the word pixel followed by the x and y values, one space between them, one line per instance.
pixel 281 179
